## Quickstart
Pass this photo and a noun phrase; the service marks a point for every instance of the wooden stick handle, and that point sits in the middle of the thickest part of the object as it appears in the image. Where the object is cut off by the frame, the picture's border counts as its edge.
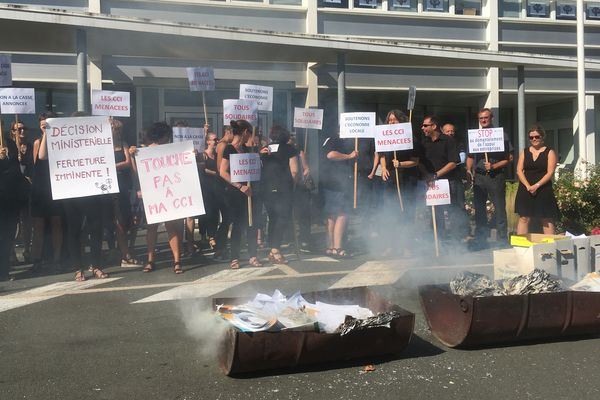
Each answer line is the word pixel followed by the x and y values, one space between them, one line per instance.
pixel 204 107
pixel 355 171
pixel 305 140
pixel 250 207
pixel 486 157
pixel 435 235
pixel 398 185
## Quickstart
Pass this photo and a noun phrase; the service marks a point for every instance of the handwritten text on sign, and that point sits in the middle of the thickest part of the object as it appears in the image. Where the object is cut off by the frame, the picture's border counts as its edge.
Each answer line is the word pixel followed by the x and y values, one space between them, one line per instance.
pixel 184 134
pixel 263 95
pixel 357 125
pixel 169 182
pixel 201 78
pixel 244 167
pixel 393 137
pixel 438 193
pixel 240 109
pixel 81 157
pixel 17 101
pixel 5 70
pixel 114 104
pixel 309 118
pixel 486 140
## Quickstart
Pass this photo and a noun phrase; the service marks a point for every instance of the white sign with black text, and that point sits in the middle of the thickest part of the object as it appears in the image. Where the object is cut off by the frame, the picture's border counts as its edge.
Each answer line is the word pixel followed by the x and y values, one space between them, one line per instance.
pixel 263 95
pixel 185 134
pixel 201 78
pixel 5 70
pixel 17 101
pixel 357 125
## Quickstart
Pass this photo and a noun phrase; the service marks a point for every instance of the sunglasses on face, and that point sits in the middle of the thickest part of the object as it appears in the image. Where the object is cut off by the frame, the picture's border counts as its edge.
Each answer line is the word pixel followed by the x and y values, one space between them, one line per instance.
pixel 19 130
pixel 534 137
pixel 426 125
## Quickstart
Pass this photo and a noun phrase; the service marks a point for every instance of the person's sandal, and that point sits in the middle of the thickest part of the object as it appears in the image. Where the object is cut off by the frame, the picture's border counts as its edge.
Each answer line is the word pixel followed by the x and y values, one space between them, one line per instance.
pixel 149 267
pixel 277 258
pixel 212 243
pixel 235 264
pixel 79 276
pixel 340 253
pixel 330 251
pixel 128 262
pixel 99 274
pixel 253 261
pixel 177 268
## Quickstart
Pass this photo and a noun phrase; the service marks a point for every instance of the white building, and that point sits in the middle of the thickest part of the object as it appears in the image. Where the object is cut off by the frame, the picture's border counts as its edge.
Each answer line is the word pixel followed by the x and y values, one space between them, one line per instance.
pixel 460 54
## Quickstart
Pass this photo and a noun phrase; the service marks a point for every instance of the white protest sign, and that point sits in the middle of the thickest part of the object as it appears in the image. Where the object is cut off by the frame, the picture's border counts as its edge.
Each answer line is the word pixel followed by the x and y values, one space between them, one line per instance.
pixel 81 157
pixel 263 95
pixel 393 137
pixel 114 104
pixel 5 70
pixel 240 109
pixel 169 182
pixel 438 193
pixel 201 78
pixel 17 101
pixel 308 118
pixel 486 140
pixel 357 125
pixel 244 167
pixel 184 134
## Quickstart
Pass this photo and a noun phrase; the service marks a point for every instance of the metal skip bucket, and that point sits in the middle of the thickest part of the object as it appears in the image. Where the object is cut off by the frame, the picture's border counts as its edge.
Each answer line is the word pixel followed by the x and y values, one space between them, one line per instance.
pixel 242 352
pixel 467 321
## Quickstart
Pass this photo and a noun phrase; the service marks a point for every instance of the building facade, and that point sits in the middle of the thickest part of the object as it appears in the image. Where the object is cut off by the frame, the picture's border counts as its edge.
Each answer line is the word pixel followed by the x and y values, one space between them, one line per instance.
pixel 461 55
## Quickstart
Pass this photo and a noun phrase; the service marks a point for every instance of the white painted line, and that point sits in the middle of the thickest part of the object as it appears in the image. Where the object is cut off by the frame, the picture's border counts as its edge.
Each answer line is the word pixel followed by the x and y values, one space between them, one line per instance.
pixel 371 273
pixel 322 259
pixel 209 285
pixel 47 292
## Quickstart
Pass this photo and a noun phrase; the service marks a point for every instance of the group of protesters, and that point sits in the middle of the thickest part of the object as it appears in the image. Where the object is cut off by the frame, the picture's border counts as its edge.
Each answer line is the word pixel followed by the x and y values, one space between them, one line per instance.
pixel 390 181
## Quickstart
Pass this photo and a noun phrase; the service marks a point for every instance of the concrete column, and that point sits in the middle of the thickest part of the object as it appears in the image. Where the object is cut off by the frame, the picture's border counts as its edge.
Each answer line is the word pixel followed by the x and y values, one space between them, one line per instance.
pixel 590 123
pixel 94 6
pixel 521 108
pixel 81 70
pixel 493 78
pixel 341 82
pixel 95 73
pixel 581 107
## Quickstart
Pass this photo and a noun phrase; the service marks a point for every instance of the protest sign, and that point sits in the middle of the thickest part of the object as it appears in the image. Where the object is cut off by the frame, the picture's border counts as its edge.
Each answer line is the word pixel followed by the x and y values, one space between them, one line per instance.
pixel 357 125
pixel 438 193
pixel 201 78
pixel 393 137
pixel 169 182
pixel 240 109
pixel 486 140
pixel 184 134
pixel 5 70
pixel 308 118
pixel 17 101
pixel 81 157
pixel 244 167
pixel 263 95
pixel 114 104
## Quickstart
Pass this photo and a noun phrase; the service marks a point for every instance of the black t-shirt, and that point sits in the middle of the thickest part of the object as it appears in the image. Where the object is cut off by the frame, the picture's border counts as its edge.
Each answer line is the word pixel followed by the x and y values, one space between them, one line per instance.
pixel 366 154
pixel 479 158
pixel 276 175
pixel 404 155
pixel 337 174
pixel 229 150
pixel 438 153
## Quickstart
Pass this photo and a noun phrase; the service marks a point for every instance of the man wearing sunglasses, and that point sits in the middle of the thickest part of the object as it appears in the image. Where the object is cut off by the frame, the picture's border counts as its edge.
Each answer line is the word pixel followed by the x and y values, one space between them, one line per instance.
pixel 489 182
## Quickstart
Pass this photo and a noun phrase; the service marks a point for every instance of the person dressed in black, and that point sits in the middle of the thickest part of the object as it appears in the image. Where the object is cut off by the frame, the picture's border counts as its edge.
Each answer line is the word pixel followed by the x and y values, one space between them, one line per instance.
pixel 439 161
pixel 406 162
pixel 489 181
pixel 535 197
pixel 236 197
pixel 279 175
pixel 337 190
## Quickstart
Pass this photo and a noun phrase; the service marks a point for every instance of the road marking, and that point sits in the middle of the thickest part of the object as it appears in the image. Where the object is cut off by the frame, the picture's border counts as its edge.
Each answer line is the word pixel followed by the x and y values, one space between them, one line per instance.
pixel 322 259
pixel 286 269
pixel 371 273
pixel 47 292
pixel 209 285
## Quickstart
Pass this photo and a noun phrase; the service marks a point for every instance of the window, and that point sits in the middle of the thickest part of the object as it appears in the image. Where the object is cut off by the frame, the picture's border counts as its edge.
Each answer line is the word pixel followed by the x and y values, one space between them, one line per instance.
pixel 468 7
pixel 510 8
pixel 333 3
pixel 373 4
pixel 538 8
pixel 566 10
pixel 593 11
pixel 435 5
pixel 287 2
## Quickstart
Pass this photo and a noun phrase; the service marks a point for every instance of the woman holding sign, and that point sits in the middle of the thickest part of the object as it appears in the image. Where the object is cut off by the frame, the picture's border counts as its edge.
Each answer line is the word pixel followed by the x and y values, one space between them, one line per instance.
pixel 535 197
pixel 236 196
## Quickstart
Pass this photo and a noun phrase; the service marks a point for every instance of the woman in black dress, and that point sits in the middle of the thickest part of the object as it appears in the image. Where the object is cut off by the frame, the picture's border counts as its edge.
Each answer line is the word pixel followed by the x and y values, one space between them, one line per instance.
pixel 535 197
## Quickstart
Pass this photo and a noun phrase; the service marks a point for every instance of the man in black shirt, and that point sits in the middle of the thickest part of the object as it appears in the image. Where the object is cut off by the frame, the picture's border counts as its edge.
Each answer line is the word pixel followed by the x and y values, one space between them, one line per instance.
pixel 489 181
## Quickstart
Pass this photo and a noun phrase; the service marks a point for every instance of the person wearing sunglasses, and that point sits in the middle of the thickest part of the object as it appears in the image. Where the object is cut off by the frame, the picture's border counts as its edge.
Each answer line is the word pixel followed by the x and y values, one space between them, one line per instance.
pixel 535 196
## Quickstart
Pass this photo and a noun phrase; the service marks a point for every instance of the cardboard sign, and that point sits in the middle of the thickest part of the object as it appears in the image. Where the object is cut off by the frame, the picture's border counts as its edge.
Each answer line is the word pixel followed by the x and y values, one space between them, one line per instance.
pixel 17 101
pixel 438 193
pixel 393 137
pixel 486 140
pixel 201 78
pixel 81 157
pixel 184 134
pixel 263 95
pixel 357 125
pixel 5 70
pixel 240 109
pixel 169 182
pixel 244 167
pixel 114 104
pixel 308 118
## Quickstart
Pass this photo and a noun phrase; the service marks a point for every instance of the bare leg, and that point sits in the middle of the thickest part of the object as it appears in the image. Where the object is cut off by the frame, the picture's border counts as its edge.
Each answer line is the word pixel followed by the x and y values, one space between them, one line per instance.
pixel 122 240
pixel 174 240
pixel 548 226
pixel 523 226
pixel 338 233
pixel 151 234
pixel 330 230
pixel 189 233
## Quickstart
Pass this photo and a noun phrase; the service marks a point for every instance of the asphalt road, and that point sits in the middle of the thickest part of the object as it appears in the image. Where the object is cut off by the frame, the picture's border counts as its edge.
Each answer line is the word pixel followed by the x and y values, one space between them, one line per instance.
pixel 146 336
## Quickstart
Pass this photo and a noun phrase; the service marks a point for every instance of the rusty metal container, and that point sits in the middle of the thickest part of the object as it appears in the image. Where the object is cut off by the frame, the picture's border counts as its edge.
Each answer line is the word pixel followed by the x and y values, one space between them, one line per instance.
pixel 243 352
pixel 467 321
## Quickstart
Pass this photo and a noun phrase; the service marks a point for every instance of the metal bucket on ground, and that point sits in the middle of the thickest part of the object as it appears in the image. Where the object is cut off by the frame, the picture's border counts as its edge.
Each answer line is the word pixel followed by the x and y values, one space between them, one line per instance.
pixel 467 321
pixel 243 352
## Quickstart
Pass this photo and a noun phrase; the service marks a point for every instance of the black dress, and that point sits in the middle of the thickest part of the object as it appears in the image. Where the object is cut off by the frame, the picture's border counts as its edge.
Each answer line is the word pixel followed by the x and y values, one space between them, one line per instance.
pixel 541 204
